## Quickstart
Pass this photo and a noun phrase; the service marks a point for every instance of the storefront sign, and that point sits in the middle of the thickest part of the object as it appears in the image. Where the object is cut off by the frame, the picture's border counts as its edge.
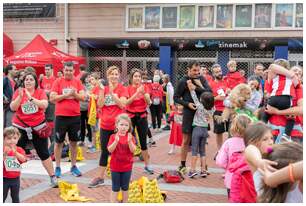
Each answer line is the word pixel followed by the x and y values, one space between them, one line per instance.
pixel 28 10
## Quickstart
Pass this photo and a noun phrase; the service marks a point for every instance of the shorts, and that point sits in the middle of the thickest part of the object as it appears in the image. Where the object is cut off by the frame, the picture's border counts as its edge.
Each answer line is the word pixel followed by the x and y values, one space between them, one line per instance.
pixel 120 180
pixel 64 124
pixel 222 127
pixel 187 121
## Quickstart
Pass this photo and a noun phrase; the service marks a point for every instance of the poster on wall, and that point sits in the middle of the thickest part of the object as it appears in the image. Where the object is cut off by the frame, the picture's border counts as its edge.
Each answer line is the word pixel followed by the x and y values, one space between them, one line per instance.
pixel 187 17
pixel 169 17
pixel 206 17
pixel 243 16
pixel 36 10
pixel 263 15
pixel 135 18
pixel 152 16
pixel 299 15
pixel 284 15
pixel 224 16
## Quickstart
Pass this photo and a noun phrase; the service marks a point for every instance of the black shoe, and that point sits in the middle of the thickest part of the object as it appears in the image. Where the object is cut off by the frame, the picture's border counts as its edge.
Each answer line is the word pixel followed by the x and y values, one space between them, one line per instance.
pixel 167 127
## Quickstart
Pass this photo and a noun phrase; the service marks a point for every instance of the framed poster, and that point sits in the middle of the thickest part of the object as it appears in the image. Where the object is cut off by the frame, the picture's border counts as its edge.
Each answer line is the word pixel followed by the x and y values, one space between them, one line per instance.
pixel 299 15
pixel 169 17
pixel 206 16
pixel 152 16
pixel 135 18
pixel 187 17
pixel 284 15
pixel 224 16
pixel 243 16
pixel 263 15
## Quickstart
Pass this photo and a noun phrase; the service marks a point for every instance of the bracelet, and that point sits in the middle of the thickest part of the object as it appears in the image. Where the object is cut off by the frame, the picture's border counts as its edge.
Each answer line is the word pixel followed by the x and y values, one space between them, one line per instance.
pixel 291 177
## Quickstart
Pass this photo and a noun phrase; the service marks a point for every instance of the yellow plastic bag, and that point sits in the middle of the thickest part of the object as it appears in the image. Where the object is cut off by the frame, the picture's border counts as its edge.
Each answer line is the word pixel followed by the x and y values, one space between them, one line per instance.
pixel 135 193
pixel 92 117
pixel 70 192
pixel 80 156
pixel 151 191
pixel 137 151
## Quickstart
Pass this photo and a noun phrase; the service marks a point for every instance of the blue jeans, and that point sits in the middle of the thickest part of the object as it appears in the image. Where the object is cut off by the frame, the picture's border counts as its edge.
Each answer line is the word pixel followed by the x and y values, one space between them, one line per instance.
pixel 121 180
pixel 198 141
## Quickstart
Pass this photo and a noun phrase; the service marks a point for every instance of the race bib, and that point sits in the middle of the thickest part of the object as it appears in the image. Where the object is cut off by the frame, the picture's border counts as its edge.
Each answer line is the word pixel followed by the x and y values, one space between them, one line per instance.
pixel 178 118
pixel 221 92
pixel 156 101
pixel 67 91
pixel 29 108
pixel 12 164
pixel 109 100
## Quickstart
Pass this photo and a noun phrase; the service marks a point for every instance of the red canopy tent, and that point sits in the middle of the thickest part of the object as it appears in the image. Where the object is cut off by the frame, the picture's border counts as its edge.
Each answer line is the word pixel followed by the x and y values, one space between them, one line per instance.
pixel 38 53
pixel 8 47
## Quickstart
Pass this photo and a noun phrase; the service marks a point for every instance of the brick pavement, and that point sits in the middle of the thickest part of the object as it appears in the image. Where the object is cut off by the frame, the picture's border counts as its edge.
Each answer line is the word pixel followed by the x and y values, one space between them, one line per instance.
pixel 35 189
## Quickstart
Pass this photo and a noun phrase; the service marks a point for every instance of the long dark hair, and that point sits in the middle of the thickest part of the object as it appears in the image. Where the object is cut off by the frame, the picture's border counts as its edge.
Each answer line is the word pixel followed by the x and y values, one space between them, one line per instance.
pixel 283 154
pixel 27 73
pixel 132 72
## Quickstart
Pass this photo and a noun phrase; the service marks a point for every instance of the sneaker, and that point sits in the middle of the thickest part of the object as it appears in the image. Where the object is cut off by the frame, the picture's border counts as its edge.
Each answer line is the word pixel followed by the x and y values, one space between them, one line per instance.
pixel 203 174
pixel 91 149
pixel 192 174
pixel 167 127
pixel 96 182
pixel 148 170
pixel 58 172
pixel 170 152
pixel 53 182
pixel 182 169
pixel 75 171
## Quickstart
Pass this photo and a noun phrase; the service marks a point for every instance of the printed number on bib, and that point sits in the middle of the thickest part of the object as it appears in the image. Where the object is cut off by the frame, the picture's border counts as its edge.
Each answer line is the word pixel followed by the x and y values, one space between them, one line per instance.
pixel 109 100
pixel 156 101
pixel 29 108
pixel 12 164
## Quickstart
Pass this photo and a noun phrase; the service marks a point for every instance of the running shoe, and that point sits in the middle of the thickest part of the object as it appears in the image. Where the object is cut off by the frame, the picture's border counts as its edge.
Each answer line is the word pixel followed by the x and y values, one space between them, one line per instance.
pixel 53 182
pixel 182 169
pixel 58 172
pixel 96 182
pixel 148 170
pixel 75 171
pixel 192 174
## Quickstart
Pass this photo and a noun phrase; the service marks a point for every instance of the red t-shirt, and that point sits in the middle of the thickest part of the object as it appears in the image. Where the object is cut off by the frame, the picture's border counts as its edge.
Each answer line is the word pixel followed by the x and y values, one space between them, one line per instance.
pixel 208 78
pixel 29 112
pixel 47 83
pixel 67 107
pixel 139 104
pixel 232 79
pixel 156 91
pixel 110 109
pixel 281 120
pixel 121 157
pixel 13 174
pixel 218 87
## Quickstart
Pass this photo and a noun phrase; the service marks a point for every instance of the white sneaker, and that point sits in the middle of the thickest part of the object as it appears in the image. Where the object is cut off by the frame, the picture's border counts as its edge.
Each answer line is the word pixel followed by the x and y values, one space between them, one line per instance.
pixel 170 152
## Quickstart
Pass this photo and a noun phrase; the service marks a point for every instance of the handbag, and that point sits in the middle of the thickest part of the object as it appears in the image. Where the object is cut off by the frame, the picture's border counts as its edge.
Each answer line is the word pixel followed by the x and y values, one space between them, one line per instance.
pixel 43 130
pixel 172 176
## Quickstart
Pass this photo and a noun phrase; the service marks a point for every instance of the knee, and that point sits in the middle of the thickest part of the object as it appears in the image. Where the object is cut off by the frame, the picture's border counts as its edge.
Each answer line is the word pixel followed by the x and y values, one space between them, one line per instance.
pixel 43 155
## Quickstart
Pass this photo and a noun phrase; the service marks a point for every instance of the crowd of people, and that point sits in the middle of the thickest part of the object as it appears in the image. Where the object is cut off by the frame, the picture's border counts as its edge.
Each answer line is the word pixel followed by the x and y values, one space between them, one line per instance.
pixel 262 116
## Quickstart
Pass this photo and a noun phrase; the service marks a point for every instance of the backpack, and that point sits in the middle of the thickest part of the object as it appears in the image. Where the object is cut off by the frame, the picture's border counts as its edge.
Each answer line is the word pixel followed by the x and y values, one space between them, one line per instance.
pixel 172 176
pixel 242 183
pixel 155 94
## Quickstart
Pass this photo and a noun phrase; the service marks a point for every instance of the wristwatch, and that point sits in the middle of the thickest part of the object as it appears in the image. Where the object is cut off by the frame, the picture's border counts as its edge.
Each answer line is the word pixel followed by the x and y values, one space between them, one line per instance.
pixel 31 99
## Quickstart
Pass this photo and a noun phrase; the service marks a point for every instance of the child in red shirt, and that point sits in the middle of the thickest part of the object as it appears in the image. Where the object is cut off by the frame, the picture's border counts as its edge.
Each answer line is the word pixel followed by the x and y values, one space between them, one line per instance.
pixel 121 146
pixel 233 77
pixel 13 157
pixel 176 135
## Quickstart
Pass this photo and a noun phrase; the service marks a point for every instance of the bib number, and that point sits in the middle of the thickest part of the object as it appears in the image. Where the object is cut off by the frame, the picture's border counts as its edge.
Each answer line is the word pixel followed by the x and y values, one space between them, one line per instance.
pixel 12 164
pixel 156 101
pixel 29 108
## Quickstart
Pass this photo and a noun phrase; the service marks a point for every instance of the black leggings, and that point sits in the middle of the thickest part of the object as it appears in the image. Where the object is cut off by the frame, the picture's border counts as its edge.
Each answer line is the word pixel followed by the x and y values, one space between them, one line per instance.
pixel 104 138
pixel 12 184
pixel 156 113
pixel 141 123
pixel 281 103
pixel 40 144
pixel 84 126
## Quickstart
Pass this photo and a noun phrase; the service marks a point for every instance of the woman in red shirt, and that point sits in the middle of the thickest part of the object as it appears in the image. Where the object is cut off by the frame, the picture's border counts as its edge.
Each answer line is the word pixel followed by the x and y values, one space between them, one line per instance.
pixel 111 102
pixel 136 104
pixel 121 146
pixel 29 103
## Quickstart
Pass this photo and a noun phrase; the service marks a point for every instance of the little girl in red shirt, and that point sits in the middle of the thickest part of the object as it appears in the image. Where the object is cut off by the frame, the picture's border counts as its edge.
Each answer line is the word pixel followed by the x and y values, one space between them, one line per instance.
pixel 121 146
pixel 176 135
pixel 13 157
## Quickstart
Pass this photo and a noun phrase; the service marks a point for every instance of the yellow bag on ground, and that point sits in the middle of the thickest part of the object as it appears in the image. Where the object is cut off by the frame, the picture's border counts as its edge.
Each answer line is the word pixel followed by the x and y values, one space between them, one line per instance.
pixel 135 193
pixel 151 191
pixel 70 192
pixel 92 116
pixel 80 156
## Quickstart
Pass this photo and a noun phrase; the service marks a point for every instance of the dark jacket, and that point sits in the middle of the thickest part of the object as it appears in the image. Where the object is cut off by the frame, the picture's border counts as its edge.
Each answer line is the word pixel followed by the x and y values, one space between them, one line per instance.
pixel 182 94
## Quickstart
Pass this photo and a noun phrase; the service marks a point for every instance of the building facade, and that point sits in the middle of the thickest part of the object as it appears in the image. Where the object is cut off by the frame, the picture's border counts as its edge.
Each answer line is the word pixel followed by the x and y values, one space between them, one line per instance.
pixel 166 36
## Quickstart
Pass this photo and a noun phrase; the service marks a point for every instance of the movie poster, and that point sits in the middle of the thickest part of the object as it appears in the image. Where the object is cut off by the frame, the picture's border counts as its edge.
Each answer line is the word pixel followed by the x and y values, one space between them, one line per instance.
pixel 206 17
pixel 135 18
pixel 187 17
pixel 284 15
pixel 152 16
pixel 224 16
pixel 169 17
pixel 263 15
pixel 243 16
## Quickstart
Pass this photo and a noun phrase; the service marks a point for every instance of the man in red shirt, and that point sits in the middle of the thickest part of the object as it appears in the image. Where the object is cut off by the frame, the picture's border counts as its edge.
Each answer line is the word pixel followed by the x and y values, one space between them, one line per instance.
pixel 82 71
pixel 66 93
pixel 218 86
